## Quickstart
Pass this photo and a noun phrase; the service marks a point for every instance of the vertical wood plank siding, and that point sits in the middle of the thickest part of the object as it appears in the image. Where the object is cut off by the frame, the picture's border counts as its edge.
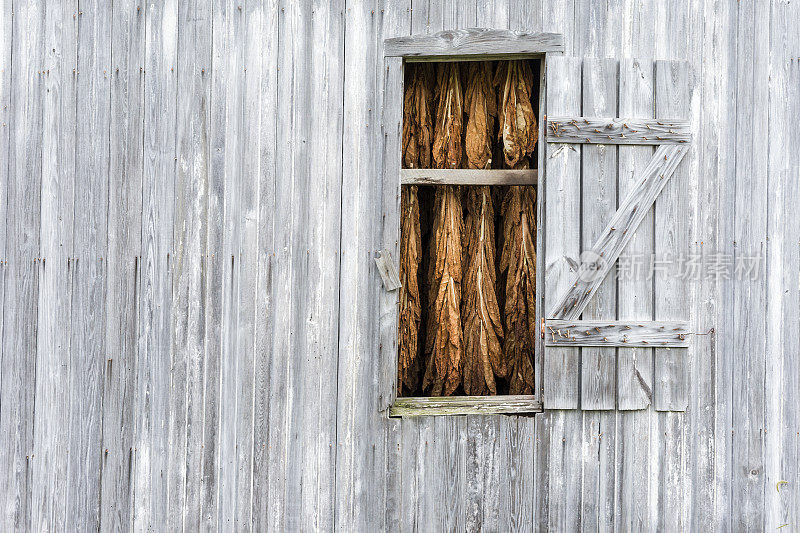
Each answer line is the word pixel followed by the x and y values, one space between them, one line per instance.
pixel 51 423
pixel 194 334
pixel 124 235
pixel 190 256
pixel 21 271
pixel 635 299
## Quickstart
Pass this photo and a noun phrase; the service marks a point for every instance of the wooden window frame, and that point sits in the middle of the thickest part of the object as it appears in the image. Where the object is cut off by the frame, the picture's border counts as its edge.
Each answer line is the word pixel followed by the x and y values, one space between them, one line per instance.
pixel 456 45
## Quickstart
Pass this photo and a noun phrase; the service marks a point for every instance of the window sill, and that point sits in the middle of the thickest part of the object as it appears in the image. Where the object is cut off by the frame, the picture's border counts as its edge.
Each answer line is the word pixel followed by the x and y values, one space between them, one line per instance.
pixel 465 405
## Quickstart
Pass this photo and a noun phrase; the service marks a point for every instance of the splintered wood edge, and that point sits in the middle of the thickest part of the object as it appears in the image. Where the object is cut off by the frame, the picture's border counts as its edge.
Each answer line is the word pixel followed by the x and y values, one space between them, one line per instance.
pixel 465 405
pixel 459 176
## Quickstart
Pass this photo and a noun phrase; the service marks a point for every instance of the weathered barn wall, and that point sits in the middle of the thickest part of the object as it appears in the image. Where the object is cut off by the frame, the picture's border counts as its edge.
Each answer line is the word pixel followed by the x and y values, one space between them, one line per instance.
pixel 190 321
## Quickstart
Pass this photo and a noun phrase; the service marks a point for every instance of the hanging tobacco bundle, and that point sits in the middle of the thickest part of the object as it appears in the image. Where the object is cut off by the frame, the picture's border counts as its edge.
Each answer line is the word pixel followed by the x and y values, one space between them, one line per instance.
pixel 518 128
pixel 417 140
pixel 518 261
pixel 410 302
pixel 481 105
pixel 444 335
pixel 483 357
pixel 418 117
pixel 519 133
pixel 447 146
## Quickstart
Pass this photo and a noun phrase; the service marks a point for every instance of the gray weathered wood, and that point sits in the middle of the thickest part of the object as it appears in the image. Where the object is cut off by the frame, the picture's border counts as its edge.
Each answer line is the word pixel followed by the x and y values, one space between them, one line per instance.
pixel 465 405
pixel 363 386
pixel 244 153
pixel 474 41
pixel 214 281
pixel 599 194
pixel 635 297
pixel 432 176
pixel 562 240
pixel 21 267
pixel 783 289
pixel 124 243
pixel 151 431
pixel 189 306
pixel 593 269
pixel 671 242
pixel 617 333
pixel 554 507
pixel 390 220
pixel 713 168
pixel 51 431
pixel 310 475
pixel 235 466
pixel 748 297
pixel 268 395
pixel 634 290
pixel 88 363
pixel 784 456
pixel 6 152
pixel 387 270
pixel 590 129
pixel 229 24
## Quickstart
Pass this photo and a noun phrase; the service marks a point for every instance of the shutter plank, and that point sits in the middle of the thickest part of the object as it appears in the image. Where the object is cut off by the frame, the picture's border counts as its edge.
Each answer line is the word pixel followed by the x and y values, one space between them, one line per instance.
pixel 562 228
pixel 634 290
pixel 671 242
pixel 599 191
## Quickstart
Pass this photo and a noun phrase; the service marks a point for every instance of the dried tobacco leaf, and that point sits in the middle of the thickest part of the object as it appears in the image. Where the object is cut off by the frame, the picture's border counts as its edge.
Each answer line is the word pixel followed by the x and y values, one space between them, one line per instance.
pixel 483 331
pixel 518 261
pixel 483 357
pixel 447 148
pixel 481 103
pixel 418 116
pixel 518 128
pixel 444 336
pixel 410 302
pixel 443 342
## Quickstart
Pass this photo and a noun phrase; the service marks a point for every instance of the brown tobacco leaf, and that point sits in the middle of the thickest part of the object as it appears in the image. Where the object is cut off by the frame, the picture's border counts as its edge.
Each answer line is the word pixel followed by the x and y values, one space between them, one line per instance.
pixel 518 127
pixel 410 303
pixel 481 103
pixel 418 116
pixel 483 356
pixel 443 342
pixel 444 336
pixel 447 149
pixel 519 262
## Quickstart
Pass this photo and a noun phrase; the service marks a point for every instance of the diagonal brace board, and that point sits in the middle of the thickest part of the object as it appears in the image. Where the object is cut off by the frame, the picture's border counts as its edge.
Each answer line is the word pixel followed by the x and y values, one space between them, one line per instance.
pixel 605 252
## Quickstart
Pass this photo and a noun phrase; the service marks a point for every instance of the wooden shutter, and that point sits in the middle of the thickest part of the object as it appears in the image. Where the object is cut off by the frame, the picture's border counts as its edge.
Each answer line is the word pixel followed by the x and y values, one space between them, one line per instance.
pixel 614 187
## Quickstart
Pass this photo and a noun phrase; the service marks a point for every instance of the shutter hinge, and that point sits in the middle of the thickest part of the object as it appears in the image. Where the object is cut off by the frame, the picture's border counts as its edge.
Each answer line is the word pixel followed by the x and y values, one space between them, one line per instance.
pixel 543 328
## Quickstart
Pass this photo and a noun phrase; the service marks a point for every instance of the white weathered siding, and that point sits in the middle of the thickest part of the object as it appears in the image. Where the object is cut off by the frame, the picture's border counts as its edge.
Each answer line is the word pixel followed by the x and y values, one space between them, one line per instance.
pixel 194 333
